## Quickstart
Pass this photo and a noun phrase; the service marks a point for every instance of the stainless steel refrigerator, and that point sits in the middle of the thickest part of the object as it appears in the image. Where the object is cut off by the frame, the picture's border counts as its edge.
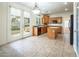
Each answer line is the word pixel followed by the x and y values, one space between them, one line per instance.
pixel 71 29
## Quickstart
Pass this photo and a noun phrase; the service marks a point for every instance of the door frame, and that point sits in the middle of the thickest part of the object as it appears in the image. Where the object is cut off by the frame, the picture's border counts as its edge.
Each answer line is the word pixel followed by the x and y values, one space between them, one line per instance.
pixel 75 28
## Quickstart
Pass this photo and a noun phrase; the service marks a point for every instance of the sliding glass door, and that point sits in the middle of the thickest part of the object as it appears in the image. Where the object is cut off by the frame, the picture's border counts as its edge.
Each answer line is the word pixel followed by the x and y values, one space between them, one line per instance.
pixel 15 15
pixel 19 23
pixel 26 24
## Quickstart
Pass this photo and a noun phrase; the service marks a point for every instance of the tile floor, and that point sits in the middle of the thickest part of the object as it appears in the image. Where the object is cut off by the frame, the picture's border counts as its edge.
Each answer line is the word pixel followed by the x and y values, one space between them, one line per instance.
pixel 40 46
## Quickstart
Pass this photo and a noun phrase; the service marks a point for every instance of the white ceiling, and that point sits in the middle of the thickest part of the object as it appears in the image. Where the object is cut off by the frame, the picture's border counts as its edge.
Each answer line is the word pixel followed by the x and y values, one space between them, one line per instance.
pixel 51 7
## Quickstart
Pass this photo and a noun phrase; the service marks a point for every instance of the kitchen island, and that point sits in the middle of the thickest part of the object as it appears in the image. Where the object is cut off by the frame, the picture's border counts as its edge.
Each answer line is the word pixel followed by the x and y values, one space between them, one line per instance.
pixel 53 31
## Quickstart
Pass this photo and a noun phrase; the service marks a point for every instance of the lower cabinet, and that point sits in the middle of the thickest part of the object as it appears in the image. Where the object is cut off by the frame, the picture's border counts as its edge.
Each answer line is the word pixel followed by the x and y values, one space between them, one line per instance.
pixel 59 29
pixel 51 32
pixel 39 30
pixel 36 31
pixel 43 30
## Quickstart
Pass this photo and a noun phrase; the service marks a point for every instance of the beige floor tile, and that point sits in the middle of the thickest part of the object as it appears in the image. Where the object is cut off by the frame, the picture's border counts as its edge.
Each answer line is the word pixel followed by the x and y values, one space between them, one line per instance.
pixel 39 46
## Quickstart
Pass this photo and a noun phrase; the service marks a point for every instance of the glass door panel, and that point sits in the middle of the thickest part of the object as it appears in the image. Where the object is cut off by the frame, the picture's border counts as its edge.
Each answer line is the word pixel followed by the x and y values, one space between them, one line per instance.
pixel 15 15
pixel 15 25
pixel 26 29
pixel 26 25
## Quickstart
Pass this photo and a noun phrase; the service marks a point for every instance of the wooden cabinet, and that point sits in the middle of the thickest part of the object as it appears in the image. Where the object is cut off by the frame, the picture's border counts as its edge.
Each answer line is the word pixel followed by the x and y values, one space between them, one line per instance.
pixel 52 32
pixel 55 20
pixel 45 19
pixel 59 19
pixel 59 30
pixel 36 31
pixel 39 30
pixel 43 30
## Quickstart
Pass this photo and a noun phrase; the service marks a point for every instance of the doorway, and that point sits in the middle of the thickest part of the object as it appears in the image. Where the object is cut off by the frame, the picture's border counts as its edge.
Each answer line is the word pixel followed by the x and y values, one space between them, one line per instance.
pixel 19 23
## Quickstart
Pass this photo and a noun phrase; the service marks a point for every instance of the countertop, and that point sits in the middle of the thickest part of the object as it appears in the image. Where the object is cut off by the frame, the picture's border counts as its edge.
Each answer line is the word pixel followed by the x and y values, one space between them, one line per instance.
pixel 40 26
pixel 54 24
pixel 49 25
pixel 53 27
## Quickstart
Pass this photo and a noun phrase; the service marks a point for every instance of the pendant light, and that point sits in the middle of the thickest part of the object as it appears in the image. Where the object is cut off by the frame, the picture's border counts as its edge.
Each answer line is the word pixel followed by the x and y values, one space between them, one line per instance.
pixel 36 9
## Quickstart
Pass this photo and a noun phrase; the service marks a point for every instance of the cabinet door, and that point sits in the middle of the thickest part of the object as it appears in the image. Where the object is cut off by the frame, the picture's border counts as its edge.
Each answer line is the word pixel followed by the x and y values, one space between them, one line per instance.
pixel 45 29
pixel 35 31
pixel 50 20
pixel 59 19
pixel 42 30
pixel 45 19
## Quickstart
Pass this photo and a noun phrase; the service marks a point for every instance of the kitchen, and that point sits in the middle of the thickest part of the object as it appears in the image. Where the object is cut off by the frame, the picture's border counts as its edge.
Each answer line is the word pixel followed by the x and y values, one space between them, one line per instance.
pixel 28 34
pixel 51 26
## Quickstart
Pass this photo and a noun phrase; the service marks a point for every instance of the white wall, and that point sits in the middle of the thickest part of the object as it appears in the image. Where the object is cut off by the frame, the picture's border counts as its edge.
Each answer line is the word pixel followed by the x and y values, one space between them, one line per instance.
pixel 0 24
pixel 3 20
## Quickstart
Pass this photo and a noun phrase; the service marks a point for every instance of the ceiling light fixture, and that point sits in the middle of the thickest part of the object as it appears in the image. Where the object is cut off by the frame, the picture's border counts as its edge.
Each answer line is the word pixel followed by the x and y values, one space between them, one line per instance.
pixel 66 9
pixel 36 9
pixel 65 3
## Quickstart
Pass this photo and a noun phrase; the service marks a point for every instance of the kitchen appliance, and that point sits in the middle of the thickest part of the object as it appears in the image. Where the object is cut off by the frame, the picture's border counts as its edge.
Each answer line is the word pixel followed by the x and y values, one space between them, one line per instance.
pixel 71 29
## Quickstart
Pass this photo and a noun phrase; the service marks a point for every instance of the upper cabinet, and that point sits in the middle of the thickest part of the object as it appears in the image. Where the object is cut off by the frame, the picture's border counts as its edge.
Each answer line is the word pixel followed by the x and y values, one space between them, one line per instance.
pixel 55 20
pixel 45 19
pixel 59 19
pixel 49 20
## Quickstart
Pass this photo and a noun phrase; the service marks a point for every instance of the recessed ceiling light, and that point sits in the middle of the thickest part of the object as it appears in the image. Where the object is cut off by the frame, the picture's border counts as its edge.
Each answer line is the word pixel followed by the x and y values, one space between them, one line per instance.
pixel 65 3
pixel 66 9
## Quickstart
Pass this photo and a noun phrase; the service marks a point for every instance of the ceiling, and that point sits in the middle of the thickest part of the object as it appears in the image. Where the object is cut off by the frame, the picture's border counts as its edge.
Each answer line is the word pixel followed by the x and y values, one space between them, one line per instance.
pixel 51 7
